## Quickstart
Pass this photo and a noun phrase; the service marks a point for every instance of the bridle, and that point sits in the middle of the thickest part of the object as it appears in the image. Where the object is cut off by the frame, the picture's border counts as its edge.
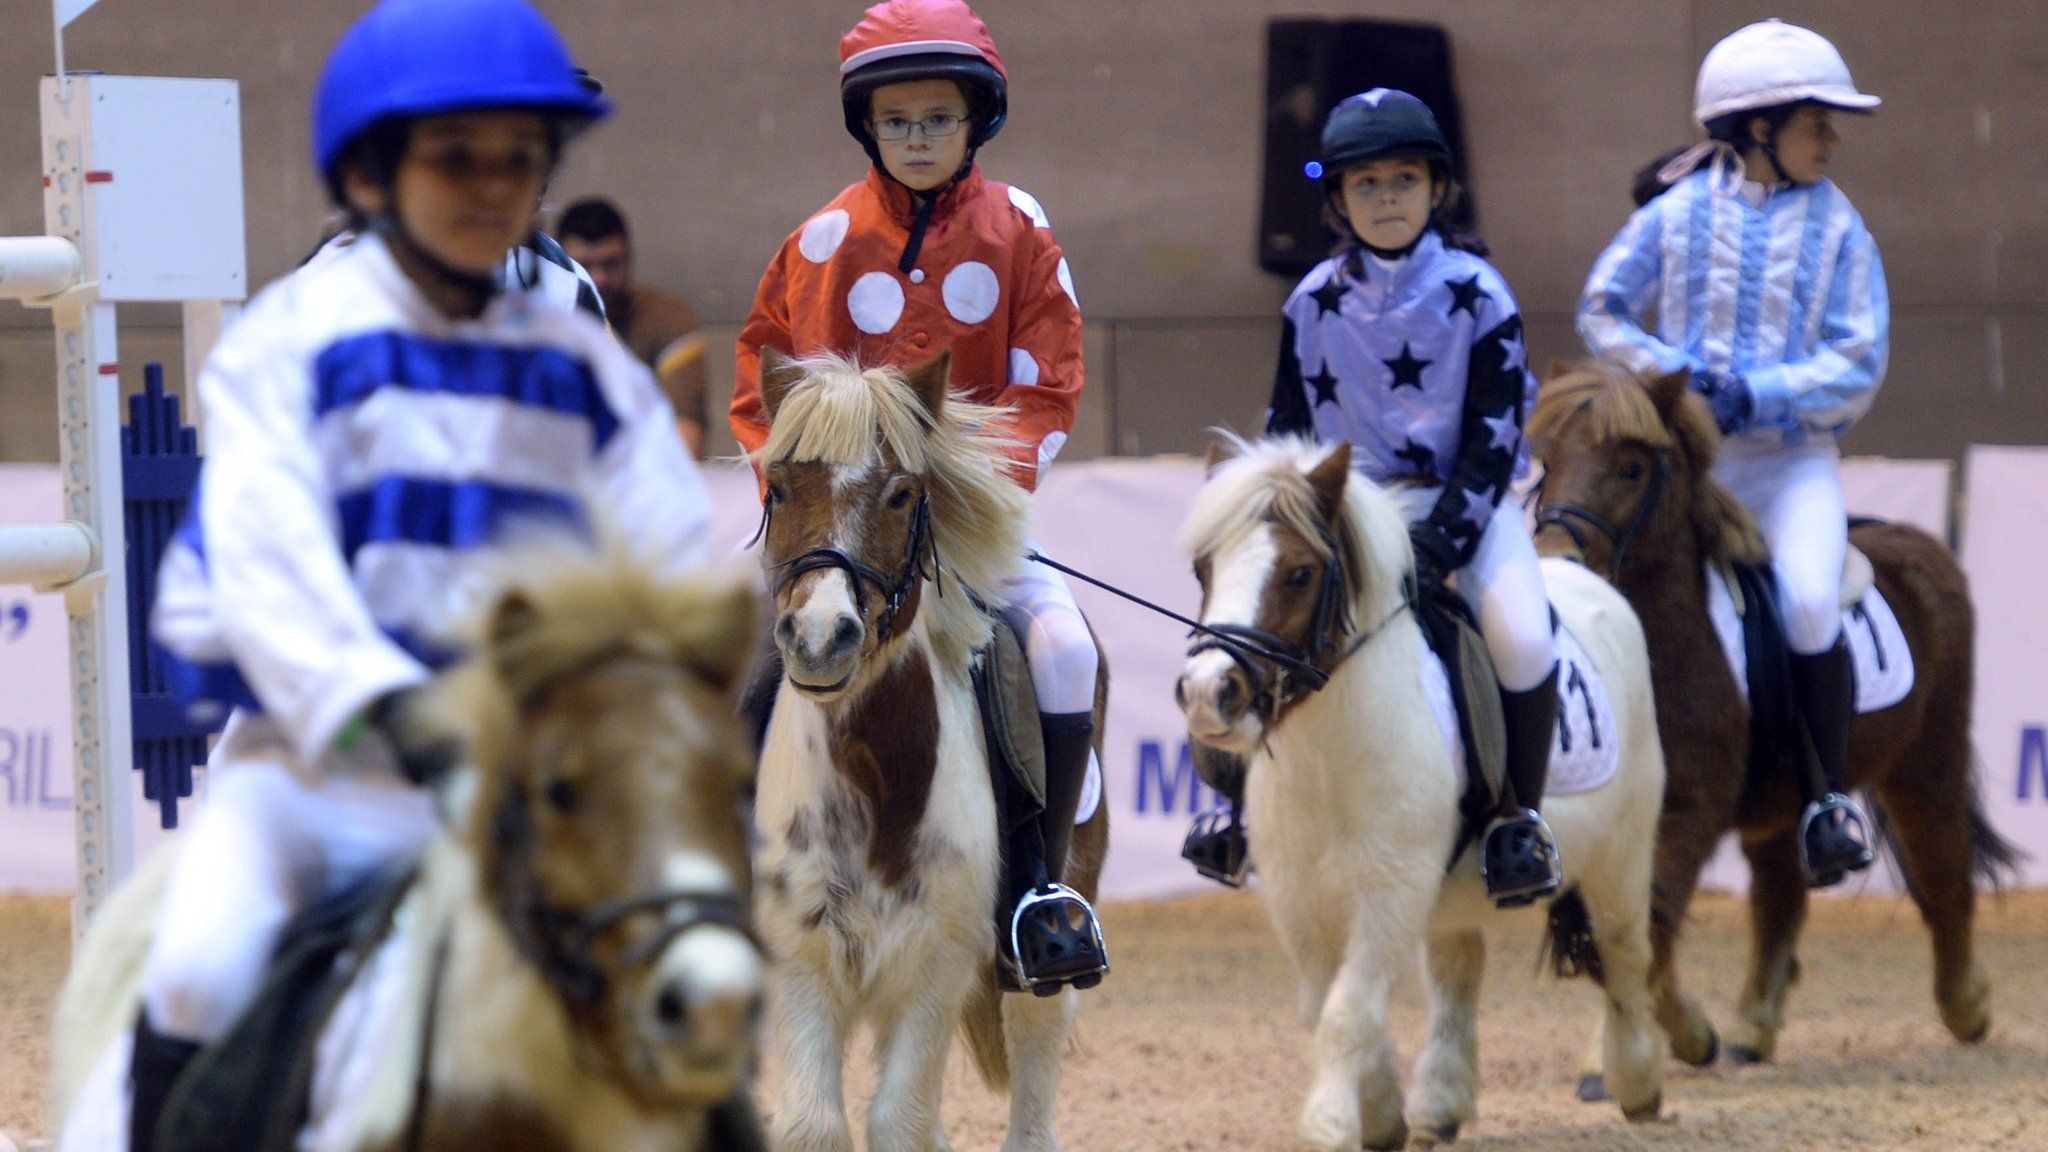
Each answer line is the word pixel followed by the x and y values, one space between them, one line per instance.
pixel 920 563
pixel 1281 671
pixel 1574 519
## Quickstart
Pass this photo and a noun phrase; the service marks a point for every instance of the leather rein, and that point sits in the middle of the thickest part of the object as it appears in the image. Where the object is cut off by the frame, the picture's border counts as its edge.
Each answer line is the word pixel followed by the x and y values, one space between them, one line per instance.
pixel 1575 520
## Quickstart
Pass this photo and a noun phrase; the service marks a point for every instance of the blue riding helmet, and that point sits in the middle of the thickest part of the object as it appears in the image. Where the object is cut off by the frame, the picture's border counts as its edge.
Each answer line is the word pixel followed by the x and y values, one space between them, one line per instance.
pixel 414 58
pixel 1382 122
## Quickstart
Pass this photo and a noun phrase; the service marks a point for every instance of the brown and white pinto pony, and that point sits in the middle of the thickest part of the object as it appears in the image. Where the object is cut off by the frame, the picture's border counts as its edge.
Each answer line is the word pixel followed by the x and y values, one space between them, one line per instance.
pixel 1352 793
pixel 891 525
pixel 572 969
pixel 1639 455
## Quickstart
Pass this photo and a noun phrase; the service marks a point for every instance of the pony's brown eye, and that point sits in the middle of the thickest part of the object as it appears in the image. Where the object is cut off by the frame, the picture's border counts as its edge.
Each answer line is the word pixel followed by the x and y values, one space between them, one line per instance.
pixel 900 498
pixel 777 494
pixel 1300 577
pixel 563 795
pixel 1632 472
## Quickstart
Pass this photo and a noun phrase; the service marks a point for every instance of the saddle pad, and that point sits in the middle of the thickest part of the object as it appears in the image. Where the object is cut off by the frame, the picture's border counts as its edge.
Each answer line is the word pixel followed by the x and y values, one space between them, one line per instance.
pixel 1583 753
pixel 1877 645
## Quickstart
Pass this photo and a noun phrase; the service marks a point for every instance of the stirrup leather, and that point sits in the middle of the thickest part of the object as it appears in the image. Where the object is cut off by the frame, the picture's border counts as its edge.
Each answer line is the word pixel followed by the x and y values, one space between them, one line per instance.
pixel 1519 859
pixel 1834 840
pixel 1216 845
pixel 1055 939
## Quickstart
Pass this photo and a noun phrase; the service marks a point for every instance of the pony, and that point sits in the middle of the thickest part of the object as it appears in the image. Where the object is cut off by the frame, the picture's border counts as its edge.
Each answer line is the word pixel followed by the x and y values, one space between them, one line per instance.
pixel 1352 790
pixel 1632 460
pixel 889 525
pixel 572 967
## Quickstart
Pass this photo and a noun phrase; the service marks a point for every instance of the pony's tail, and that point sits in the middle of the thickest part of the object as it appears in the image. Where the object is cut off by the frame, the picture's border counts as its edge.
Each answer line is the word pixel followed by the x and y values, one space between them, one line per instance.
pixel 981 1025
pixel 1568 944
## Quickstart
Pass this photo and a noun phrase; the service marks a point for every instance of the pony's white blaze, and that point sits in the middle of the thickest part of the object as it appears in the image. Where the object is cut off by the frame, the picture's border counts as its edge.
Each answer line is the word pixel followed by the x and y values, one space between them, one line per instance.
pixel 1237 582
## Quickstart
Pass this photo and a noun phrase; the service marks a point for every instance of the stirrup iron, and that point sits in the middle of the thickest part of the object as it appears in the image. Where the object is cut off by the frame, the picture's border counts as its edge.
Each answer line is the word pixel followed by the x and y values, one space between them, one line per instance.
pixel 1834 840
pixel 1518 859
pixel 1055 940
pixel 1216 845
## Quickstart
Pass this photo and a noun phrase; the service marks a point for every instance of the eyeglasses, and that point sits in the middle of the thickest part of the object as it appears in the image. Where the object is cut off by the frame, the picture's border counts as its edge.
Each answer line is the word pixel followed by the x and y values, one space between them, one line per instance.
pixel 931 127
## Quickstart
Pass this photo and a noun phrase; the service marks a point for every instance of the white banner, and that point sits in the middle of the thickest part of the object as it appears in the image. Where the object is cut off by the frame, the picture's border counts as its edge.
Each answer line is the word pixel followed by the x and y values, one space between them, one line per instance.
pixel 2003 553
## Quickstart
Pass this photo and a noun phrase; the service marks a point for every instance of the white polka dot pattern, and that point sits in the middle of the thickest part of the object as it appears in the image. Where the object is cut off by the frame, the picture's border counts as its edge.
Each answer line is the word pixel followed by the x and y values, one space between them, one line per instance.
pixel 876 303
pixel 1048 448
pixel 821 237
pixel 971 292
pixel 1023 367
pixel 1029 205
pixel 1066 276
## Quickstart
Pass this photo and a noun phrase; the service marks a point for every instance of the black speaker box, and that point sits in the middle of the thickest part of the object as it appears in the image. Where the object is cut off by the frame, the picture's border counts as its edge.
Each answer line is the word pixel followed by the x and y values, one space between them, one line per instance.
pixel 1312 64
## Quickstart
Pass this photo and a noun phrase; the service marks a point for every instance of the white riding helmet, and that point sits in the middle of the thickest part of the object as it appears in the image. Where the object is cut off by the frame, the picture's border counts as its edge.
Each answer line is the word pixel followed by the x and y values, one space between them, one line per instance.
pixel 1771 63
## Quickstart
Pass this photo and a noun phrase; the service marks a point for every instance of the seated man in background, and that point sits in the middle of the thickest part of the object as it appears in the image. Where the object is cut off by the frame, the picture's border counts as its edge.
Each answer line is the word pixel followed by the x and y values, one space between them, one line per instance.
pixel 659 327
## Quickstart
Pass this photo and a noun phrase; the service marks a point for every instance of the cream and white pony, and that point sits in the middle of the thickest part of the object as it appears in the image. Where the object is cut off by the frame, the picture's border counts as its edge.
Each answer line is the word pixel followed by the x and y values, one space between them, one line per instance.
pixel 891 524
pixel 572 970
pixel 1352 793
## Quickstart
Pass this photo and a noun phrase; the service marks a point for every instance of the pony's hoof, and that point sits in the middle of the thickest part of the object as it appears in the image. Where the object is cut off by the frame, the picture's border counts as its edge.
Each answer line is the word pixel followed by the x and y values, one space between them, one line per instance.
pixel 1593 1088
pixel 1643 1113
pixel 1432 1136
pixel 1700 1057
pixel 1393 1142
pixel 1969 1016
pixel 1743 1054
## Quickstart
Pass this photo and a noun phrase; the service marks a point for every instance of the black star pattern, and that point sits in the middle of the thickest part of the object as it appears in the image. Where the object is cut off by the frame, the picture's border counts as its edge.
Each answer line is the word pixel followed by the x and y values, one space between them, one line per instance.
pixel 1419 456
pixel 1407 369
pixel 1327 296
pixel 1325 385
pixel 1466 295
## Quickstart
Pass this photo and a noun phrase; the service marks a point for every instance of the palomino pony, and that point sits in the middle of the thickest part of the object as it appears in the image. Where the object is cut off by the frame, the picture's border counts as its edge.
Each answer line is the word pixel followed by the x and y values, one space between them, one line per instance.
pixel 1632 461
pixel 891 524
pixel 1352 793
pixel 572 969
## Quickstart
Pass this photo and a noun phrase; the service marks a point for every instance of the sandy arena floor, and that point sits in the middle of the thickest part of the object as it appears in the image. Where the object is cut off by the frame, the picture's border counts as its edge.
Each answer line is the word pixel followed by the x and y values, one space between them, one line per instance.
pixel 1194 1043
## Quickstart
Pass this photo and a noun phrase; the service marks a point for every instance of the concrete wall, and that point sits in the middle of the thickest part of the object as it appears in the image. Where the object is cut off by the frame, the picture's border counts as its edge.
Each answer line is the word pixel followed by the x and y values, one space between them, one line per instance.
pixel 1138 125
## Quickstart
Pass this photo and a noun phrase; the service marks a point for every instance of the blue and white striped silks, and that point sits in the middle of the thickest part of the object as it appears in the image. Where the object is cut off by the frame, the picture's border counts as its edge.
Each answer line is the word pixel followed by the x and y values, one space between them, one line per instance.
pixel 362 448
pixel 1789 295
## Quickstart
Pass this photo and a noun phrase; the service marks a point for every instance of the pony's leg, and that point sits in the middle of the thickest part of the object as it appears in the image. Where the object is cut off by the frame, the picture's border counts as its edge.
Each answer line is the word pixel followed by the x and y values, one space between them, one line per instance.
pixel 1035 1031
pixel 1633 1052
pixel 811 1022
pixel 1354 1097
pixel 1445 1094
pixel 1777 910
pixel 911 1043
pixel 1928 812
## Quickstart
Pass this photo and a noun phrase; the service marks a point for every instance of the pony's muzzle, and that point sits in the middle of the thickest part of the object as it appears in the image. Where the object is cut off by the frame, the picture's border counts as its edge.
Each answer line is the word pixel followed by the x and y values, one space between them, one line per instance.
pixel 698 1011
pixel 821 636
pixel 1216 697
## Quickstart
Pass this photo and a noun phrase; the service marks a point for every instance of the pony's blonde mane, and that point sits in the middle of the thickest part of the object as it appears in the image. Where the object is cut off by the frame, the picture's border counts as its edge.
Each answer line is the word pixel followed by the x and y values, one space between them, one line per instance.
pixel 1268 480
pixel 843 414
pixel 1603 403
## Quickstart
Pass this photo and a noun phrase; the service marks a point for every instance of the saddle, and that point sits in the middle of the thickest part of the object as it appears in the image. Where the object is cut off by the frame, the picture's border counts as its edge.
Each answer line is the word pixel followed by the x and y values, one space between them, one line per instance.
pixel 252 1091
pixel 1009 725
pixel 1452 632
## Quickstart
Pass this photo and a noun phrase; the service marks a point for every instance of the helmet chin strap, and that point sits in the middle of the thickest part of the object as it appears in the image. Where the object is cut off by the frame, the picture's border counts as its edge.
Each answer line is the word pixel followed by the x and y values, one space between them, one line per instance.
pixel 925 203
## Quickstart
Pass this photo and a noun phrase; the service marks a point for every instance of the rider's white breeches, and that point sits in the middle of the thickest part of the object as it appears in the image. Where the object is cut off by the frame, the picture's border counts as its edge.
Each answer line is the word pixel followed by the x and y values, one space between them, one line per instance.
pixel 1056 641
pixel 1796 493
pixel 271 838
pixel 1504 583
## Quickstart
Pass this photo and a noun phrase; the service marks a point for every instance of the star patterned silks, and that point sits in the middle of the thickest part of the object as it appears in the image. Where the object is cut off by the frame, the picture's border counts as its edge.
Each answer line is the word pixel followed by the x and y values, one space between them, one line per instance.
pixel 1466 295
pixel 1505 433
pixel 1328 297
pixel 1407 369
pixel 1325 384
pixel 1418 455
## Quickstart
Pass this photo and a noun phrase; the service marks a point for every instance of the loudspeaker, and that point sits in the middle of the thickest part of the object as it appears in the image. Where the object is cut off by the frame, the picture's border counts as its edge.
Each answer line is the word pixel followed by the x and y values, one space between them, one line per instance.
pixel 1310 66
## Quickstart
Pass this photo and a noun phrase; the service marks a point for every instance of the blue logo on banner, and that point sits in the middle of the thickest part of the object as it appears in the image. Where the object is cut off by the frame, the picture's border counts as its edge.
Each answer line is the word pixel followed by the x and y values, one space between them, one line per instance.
pixel 25 771
pixel 1177 791
pixel 2033 762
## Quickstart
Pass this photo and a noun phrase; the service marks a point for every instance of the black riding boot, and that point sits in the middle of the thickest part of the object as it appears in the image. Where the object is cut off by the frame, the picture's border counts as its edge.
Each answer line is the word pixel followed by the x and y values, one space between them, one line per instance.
pixel 1054 938
pixel 153 1071
pixel 1216 844
pixel 1520 859
pixel 1834 834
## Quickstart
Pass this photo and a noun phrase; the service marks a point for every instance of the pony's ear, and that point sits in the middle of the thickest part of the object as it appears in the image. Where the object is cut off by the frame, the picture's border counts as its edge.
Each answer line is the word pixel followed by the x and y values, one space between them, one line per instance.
pixel 512 618
pixel 1667 391
pixel 930 380
pixel 1221 452
pixel 1328 477
pixel 719 622
pixel 778 374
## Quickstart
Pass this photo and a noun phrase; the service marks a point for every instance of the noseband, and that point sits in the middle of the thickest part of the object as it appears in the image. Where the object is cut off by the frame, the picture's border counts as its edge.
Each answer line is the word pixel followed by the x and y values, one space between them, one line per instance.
pixel 920 562
pixel 1574 519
